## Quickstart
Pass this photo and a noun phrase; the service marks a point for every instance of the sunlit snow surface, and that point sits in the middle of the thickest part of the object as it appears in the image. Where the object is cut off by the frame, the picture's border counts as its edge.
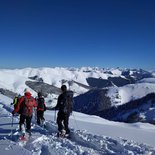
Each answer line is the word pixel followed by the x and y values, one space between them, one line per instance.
pixel 90 135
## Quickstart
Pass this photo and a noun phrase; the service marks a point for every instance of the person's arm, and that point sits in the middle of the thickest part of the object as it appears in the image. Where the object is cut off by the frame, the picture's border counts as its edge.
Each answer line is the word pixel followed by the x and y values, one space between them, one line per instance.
pixel 58 102
pixel 44 105
pixel 71 108
pixel 18 105
pixel 34 103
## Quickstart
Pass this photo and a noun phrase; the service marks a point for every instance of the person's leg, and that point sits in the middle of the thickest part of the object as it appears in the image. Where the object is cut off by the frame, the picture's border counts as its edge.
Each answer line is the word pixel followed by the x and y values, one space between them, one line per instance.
pixel 22 124
pixel 38 117
pixel 42 117
pixel 66 122
pixel 28 122
pixel 21 121
pixel 59 121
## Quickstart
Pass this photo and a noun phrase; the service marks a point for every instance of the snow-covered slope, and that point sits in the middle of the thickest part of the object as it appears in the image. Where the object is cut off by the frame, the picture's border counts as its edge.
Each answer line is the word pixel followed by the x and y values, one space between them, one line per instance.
pixel 130 92
pixel 91 135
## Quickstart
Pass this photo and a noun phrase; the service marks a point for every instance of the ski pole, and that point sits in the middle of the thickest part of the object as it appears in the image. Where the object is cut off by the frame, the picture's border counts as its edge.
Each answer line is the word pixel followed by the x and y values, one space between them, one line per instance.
pixel 12 128
pixel 12 122
pixel 55 116
pixel 35 111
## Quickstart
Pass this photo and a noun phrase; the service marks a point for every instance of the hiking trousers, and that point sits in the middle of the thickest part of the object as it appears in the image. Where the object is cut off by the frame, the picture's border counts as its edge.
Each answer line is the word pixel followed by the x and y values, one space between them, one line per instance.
pixel 40 116
pixel 63 121
pixel 22 121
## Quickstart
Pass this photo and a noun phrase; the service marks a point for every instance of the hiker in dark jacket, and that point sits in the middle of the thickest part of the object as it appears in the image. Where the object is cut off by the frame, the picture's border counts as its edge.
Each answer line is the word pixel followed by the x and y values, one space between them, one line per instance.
pixel 41 107
pixel 25 108
pixel 65 106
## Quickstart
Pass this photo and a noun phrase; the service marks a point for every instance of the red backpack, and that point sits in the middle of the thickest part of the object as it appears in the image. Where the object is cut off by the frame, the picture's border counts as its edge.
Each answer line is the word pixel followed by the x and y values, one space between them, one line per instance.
pixel 26 107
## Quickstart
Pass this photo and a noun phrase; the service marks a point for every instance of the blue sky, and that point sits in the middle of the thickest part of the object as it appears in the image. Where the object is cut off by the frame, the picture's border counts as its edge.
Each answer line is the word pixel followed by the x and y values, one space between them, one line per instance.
pixel 67 33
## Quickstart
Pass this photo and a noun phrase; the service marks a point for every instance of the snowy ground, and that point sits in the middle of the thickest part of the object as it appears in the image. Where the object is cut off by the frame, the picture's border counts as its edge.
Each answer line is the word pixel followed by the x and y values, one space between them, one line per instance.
pixel 91 135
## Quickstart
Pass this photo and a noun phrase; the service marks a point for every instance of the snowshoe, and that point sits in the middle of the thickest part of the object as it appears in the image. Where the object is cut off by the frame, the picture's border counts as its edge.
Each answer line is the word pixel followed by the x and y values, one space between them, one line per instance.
pixel 61 133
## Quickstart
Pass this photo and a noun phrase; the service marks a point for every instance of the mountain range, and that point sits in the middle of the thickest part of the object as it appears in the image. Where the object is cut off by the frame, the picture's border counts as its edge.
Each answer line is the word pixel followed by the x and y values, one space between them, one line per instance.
pixel 114 94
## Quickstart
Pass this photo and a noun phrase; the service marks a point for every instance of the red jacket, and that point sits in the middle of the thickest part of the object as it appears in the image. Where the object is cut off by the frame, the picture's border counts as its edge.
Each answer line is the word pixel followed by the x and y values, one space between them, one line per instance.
pixel 26 104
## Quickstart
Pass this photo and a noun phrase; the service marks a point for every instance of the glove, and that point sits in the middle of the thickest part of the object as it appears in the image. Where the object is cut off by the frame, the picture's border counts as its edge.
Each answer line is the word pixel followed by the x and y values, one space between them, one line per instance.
pixel 13 112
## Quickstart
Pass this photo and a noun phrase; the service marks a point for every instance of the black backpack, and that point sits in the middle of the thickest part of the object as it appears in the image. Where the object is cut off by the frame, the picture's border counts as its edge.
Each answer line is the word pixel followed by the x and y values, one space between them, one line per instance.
pixel 67 102
pixel 41 103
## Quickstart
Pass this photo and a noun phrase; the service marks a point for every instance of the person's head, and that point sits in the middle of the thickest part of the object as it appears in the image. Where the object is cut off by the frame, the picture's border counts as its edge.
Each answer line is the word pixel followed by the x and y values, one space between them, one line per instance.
pixel 27 93
pixel 19 96
pixel 39 94
pixel 64 88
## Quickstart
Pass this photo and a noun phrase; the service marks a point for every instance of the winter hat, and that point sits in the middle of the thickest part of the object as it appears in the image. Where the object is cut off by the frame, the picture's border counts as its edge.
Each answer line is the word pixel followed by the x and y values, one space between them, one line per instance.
pixel 26 90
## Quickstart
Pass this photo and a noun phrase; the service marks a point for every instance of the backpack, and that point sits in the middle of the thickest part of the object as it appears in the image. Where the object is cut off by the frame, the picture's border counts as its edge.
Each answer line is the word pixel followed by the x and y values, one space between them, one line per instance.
pixel 41 104
pixel 15 101
pixel 67 102
pixel 26 107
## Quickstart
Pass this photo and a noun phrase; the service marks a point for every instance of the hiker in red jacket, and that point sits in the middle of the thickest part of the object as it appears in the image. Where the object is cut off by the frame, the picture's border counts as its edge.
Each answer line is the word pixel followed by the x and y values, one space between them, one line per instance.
pixel 25 109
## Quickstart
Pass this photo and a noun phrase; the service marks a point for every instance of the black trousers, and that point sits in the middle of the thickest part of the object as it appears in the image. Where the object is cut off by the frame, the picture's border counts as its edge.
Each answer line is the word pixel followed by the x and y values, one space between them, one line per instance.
pixel 62 121
pixel 28 121
pixel 40 116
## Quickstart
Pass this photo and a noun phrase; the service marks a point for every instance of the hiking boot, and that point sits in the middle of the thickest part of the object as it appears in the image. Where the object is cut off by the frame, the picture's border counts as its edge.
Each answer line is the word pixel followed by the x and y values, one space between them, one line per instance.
pixel 63 132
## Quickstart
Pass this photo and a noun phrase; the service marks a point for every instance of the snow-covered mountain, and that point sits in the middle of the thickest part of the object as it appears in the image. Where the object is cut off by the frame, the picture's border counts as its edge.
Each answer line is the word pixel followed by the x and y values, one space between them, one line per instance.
pixel 95 89
pixel 80 80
